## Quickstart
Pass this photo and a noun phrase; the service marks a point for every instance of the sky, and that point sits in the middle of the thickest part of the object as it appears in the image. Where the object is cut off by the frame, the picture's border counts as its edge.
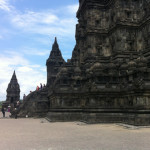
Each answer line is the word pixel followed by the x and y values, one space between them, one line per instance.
pixel 27 32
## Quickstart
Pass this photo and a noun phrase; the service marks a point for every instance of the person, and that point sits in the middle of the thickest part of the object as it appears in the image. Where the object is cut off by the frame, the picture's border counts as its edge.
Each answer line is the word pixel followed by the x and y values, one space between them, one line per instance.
pixel 41 86
pixel 24 96
pixel 9 108
pixel 37 88
pixel 44 85
pixel 18 103
pixel 16 113
pixel 3 111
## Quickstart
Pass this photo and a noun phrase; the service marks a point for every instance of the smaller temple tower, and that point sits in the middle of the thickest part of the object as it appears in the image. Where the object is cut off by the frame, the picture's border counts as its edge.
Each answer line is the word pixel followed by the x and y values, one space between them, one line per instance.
pixel 54 63
pixel 13 90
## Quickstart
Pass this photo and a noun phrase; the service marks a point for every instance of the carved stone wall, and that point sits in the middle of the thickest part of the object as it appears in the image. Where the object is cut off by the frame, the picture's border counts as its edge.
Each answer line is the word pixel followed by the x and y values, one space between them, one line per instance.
pixel 108 72
pixel 108 77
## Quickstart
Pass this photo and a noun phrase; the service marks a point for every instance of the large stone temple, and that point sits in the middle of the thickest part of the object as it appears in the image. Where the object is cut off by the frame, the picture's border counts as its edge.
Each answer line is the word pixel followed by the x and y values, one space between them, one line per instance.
pixel 108 77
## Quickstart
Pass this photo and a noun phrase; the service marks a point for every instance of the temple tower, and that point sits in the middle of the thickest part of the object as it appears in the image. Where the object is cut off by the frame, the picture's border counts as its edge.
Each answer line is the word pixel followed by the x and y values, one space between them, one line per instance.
pixel 54 63
pixel 108 76
pixel 108 79
pixel 13 90
pixel 111 27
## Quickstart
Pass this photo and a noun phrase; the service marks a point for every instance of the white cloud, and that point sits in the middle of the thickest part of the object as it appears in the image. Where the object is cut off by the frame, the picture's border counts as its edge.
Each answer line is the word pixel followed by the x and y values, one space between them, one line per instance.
pixel 4 5
pixel 46 22
pixel 59 22
pixel 35 52
pixel 28 75
pixel 63 28
pixel 12 55
pixel 24 69
pixel 73 8
pixel 30 18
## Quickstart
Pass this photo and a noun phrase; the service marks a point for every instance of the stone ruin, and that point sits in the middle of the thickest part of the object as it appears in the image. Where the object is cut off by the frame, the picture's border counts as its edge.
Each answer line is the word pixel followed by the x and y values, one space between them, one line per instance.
pixel 107 80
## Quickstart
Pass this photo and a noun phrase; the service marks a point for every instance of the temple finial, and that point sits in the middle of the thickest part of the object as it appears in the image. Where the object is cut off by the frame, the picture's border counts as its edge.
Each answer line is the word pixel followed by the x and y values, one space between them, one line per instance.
pixel 55 39
pixel 55 52
pixel 55 46
pixel 14 75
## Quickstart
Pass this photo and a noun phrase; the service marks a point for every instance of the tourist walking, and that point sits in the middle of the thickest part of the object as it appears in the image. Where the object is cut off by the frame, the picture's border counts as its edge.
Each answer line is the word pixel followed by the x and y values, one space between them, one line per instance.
pixel 3 111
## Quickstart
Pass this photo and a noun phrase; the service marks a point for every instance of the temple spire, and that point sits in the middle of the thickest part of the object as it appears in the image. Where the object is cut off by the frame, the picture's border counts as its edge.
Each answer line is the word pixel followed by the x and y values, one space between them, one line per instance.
pixel 14 78
pixel 55 46
pixel 55 39
pixel 13 90
pixel 54 62
pixel 55 52
pixel 14 74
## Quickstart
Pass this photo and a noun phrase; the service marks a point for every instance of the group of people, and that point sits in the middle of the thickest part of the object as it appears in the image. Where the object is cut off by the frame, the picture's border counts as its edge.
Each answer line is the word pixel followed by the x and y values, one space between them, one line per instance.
pixel 12 109
pixel 37 89
pixel 4 109
pixel 16 106
pixel 40 87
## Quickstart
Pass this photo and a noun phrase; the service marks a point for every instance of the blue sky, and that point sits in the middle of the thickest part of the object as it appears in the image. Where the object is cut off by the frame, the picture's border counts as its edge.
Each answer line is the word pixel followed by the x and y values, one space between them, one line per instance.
pixel 27 31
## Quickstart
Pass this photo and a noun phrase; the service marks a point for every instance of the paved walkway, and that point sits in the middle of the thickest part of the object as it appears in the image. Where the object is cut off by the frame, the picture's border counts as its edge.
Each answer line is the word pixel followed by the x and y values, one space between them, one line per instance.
pixel 38 134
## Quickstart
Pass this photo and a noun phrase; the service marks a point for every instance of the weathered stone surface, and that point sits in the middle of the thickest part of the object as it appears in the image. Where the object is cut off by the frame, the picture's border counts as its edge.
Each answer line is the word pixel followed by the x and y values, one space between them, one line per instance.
pixel 36 104
pixel 108 77
pixel 111 83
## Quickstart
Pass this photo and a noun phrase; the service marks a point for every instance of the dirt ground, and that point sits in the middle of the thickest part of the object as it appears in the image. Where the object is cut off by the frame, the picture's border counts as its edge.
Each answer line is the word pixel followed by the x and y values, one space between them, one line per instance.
pixel 38 134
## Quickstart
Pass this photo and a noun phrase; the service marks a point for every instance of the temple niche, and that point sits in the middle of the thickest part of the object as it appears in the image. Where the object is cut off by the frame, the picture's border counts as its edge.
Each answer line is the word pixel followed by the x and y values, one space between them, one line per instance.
pixel 106 48
pixel 140 41
pixel 108 77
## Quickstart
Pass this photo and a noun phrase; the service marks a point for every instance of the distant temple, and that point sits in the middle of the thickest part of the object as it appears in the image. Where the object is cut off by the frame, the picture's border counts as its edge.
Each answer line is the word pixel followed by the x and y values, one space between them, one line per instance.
pixel 13 90
pixel 108 77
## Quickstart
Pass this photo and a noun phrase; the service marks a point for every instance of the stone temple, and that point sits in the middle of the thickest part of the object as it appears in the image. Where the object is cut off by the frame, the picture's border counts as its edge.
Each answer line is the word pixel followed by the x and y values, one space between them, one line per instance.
pixel 13 92
pixel 107 78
